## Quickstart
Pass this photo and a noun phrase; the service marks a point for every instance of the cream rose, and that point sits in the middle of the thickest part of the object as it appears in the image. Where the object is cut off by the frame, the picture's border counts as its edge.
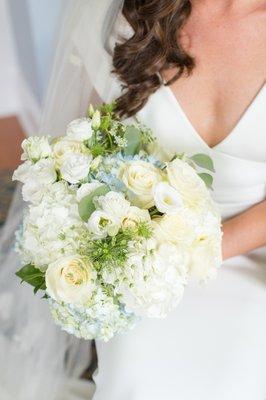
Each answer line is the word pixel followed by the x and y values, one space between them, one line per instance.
pixel 71 280
pixel 135 216
pixel 174 228
pixel 140 178
pixel 191 187
pixel 205 257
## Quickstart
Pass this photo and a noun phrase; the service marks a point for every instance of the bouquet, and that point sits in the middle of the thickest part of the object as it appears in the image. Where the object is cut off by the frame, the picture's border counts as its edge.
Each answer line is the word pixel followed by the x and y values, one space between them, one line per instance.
pixel 115 227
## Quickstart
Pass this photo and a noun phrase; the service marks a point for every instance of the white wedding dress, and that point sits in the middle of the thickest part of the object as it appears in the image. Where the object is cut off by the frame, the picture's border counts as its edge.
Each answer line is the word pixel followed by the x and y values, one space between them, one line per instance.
pixel 213 346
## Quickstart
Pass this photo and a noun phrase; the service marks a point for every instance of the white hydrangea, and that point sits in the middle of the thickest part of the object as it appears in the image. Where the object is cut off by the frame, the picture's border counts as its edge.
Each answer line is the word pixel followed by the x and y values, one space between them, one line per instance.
pixel 101 319
pixel 52 228
pixel 154 282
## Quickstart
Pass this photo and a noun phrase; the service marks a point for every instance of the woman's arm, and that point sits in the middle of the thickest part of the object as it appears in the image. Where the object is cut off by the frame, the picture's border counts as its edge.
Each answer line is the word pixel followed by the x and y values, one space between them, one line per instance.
pixel 245 232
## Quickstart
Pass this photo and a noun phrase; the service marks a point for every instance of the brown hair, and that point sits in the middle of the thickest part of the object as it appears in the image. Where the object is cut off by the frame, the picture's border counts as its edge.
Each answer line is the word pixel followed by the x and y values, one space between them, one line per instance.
pixel 153 48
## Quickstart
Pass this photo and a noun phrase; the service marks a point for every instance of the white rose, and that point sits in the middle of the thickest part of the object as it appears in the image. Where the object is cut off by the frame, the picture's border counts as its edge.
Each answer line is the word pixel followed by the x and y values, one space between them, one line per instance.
pixel 80 129
pixel 140 178
pixel 75 167
pixel 115 205
pixel 167 199
pixel 71 280
pixel 101 224
pixel 205 257
pixel 64 146
pixel 87 188
pixel 36 147
pixel 174 228
pixel 190 186
pixel 134 217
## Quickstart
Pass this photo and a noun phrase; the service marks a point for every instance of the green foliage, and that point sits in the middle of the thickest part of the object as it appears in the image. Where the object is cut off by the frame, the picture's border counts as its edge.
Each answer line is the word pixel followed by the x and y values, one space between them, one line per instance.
pixel 144 230
pixel 207 179
pixel 86 205
pixel 111 135
pixel 108 109
pixel 133 138
pixel 33 276
pixel 108 252
pixel 203 161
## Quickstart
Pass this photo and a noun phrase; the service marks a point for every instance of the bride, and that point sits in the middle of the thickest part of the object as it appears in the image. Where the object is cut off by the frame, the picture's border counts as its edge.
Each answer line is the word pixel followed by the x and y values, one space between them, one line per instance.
pixel 198 68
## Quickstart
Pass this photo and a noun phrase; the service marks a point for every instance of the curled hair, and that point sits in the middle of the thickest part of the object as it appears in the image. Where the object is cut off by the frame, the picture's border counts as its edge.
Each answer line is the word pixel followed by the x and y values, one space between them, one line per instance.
pixel 153 48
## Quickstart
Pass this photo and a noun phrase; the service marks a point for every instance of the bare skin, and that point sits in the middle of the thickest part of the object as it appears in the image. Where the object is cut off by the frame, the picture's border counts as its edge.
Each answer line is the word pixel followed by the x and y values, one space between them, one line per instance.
pixel 228 41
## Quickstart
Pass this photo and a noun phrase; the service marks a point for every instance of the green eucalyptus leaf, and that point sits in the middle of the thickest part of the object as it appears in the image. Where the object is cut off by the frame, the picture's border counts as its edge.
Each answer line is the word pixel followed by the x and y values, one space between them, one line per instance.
pixel 87 206
pixel 203 161
pixel 207 179
pixel 133 137
pixel 33 276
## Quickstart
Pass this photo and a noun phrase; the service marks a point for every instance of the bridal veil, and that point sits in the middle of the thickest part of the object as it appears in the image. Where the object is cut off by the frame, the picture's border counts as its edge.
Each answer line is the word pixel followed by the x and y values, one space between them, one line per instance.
pixel 37 360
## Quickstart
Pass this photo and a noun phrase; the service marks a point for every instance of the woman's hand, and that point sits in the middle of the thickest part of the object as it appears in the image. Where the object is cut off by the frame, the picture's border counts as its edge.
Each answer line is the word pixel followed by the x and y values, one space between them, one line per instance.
pixel 245 232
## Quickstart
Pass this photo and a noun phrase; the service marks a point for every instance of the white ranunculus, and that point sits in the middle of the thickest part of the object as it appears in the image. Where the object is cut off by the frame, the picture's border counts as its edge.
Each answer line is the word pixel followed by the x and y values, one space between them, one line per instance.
pixel 80 129
pixel 101 224
pixel 205 257
pixel 140 178
pixel 75 167
pixel 167 199
pixel 155 283
pixel 174 228
pixel 64 146
pixel 36 147
pixel 115 205
pixel 190 186
pixel 87 188
pixel 134 217
pixel 71 280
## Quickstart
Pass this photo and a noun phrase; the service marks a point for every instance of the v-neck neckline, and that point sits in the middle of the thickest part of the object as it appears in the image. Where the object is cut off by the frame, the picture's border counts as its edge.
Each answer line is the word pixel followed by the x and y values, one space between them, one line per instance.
pixel 244 115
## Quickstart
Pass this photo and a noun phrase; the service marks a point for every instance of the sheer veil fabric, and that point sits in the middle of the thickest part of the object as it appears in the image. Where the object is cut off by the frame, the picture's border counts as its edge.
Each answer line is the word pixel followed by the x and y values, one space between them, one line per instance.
pixel 37 359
